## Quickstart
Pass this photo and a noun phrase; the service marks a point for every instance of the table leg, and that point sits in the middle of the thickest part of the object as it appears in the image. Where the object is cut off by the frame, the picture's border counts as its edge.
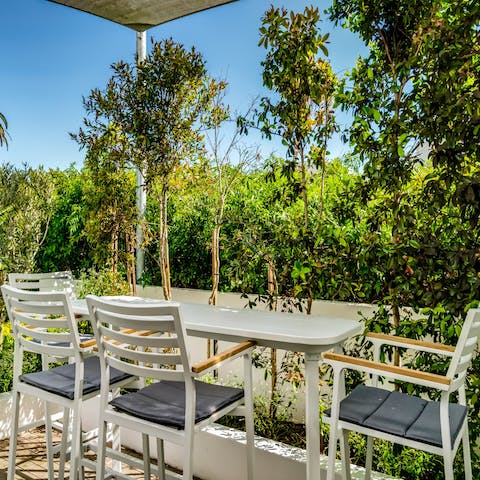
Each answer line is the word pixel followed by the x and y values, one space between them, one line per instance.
pixel 312 416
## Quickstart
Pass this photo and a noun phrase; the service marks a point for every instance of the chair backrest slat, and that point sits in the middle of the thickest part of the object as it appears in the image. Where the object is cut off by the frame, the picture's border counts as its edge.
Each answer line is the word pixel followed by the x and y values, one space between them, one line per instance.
pixel 463 365
pixel 39 308
pixel 44 282
pixel 141 356
pixel 42 335
pixel 162 324
pixel 466 345
pixel 162 354
pixel 29 314
pixel 140 339
pixel 145 371
pixel 470 347
pixel 61 351
pixel 33 319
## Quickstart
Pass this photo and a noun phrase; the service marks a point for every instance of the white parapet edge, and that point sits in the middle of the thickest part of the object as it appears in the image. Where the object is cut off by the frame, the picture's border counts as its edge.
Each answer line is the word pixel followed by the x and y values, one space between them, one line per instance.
pixel 291 460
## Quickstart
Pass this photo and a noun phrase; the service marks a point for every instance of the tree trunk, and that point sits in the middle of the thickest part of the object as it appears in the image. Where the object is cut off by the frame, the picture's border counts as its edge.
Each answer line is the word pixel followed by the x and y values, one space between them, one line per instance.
pixel 323 165
pixel 309 301
pixel 306 219
pixel 273 290
pixel 303 172
pixel 396 324
pixel 114 247
pixel 396 233
pixel 163 246
pixel 130 247
pixel 213 299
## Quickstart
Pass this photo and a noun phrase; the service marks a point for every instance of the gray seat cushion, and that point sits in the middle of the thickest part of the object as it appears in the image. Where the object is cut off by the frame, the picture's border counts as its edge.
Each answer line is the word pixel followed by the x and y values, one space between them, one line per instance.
pixel 61 380
pixel 427 426
pixel 361 404
pixel 396 413
pixel 164 402
pixel 400 414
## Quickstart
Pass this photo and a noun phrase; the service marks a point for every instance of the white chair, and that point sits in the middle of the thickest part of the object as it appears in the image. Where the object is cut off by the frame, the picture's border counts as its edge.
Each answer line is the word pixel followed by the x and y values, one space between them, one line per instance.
pixel 437 427
pixel 177 404
pixel 43 323
pixel 61 281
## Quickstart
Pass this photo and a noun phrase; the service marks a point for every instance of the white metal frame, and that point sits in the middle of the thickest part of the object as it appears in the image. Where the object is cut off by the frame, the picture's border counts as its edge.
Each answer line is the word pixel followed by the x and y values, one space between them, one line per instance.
pixel 148 340
pixel 453 381
pixel 58 281
pixel 61 281
pixel 44 323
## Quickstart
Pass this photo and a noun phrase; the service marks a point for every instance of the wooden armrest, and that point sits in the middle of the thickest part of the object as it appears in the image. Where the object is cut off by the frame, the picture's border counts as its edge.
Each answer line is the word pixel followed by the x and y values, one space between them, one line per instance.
pixel 410 343
pixel 143 333
pixel 388 369
pixel 88 343
pixel 220 357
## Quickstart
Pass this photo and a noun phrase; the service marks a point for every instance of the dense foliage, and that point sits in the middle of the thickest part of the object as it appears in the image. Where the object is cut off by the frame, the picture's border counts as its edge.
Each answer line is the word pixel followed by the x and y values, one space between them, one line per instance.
pixel 403 230
pixel 417 91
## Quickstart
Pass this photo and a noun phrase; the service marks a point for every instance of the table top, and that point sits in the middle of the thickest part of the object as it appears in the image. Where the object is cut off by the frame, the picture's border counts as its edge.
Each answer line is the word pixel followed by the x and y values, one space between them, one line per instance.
pixel 290 331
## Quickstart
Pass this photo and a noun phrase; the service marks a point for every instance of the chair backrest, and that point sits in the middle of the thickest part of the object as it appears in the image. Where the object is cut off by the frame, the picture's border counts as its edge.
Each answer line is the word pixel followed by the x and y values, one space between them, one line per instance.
pixel 144 339
pixel 42 322
pixel 466 346
pixel 44 282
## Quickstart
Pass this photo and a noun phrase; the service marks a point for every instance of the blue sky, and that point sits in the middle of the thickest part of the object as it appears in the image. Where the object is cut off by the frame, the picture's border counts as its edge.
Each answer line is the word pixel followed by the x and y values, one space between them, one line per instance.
pixel 52 55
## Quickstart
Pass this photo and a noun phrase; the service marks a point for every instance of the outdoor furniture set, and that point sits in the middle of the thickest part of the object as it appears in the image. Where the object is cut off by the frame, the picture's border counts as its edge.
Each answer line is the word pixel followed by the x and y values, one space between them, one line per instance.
pixel 141 343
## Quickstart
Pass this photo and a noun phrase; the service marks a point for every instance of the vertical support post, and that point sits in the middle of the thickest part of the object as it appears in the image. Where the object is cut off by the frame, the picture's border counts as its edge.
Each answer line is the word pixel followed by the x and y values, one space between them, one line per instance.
pixel 249 421
pixel 140 184
pixel 312 415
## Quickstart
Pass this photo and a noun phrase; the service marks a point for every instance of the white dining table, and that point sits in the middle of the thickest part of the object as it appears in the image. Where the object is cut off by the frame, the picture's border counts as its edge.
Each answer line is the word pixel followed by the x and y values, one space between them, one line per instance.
pixel 310 334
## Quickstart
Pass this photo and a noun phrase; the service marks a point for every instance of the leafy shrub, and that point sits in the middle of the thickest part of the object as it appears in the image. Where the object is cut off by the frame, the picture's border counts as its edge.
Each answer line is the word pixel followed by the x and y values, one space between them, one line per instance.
pixel 396 460
pixel 33 361
pixel 280 428
pixel 101 282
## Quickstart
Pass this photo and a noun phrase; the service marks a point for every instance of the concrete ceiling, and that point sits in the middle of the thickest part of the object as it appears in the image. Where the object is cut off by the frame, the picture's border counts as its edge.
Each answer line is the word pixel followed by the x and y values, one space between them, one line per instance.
pixel 140 15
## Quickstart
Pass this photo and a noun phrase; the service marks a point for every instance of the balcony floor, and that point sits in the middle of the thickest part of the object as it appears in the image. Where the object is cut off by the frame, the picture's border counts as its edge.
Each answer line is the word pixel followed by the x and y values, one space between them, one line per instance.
pixel 32 458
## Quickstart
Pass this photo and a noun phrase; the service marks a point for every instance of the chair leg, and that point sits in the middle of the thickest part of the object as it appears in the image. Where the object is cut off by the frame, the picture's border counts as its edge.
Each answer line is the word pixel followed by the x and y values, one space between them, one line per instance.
pixel 369 458
pixel 332 452
pixel 146 456
pixel 448 470
pixel 338 392
pixel 81 451
pixel 114 434
pixel 345 449
pixel 160 459
pixel 448 463
pixel 101 448
pixel 75 448
pixel 445 432
pixel 64 443
pixel 49 439
pixel 466 455
pixel 12 453
pixel 188 455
